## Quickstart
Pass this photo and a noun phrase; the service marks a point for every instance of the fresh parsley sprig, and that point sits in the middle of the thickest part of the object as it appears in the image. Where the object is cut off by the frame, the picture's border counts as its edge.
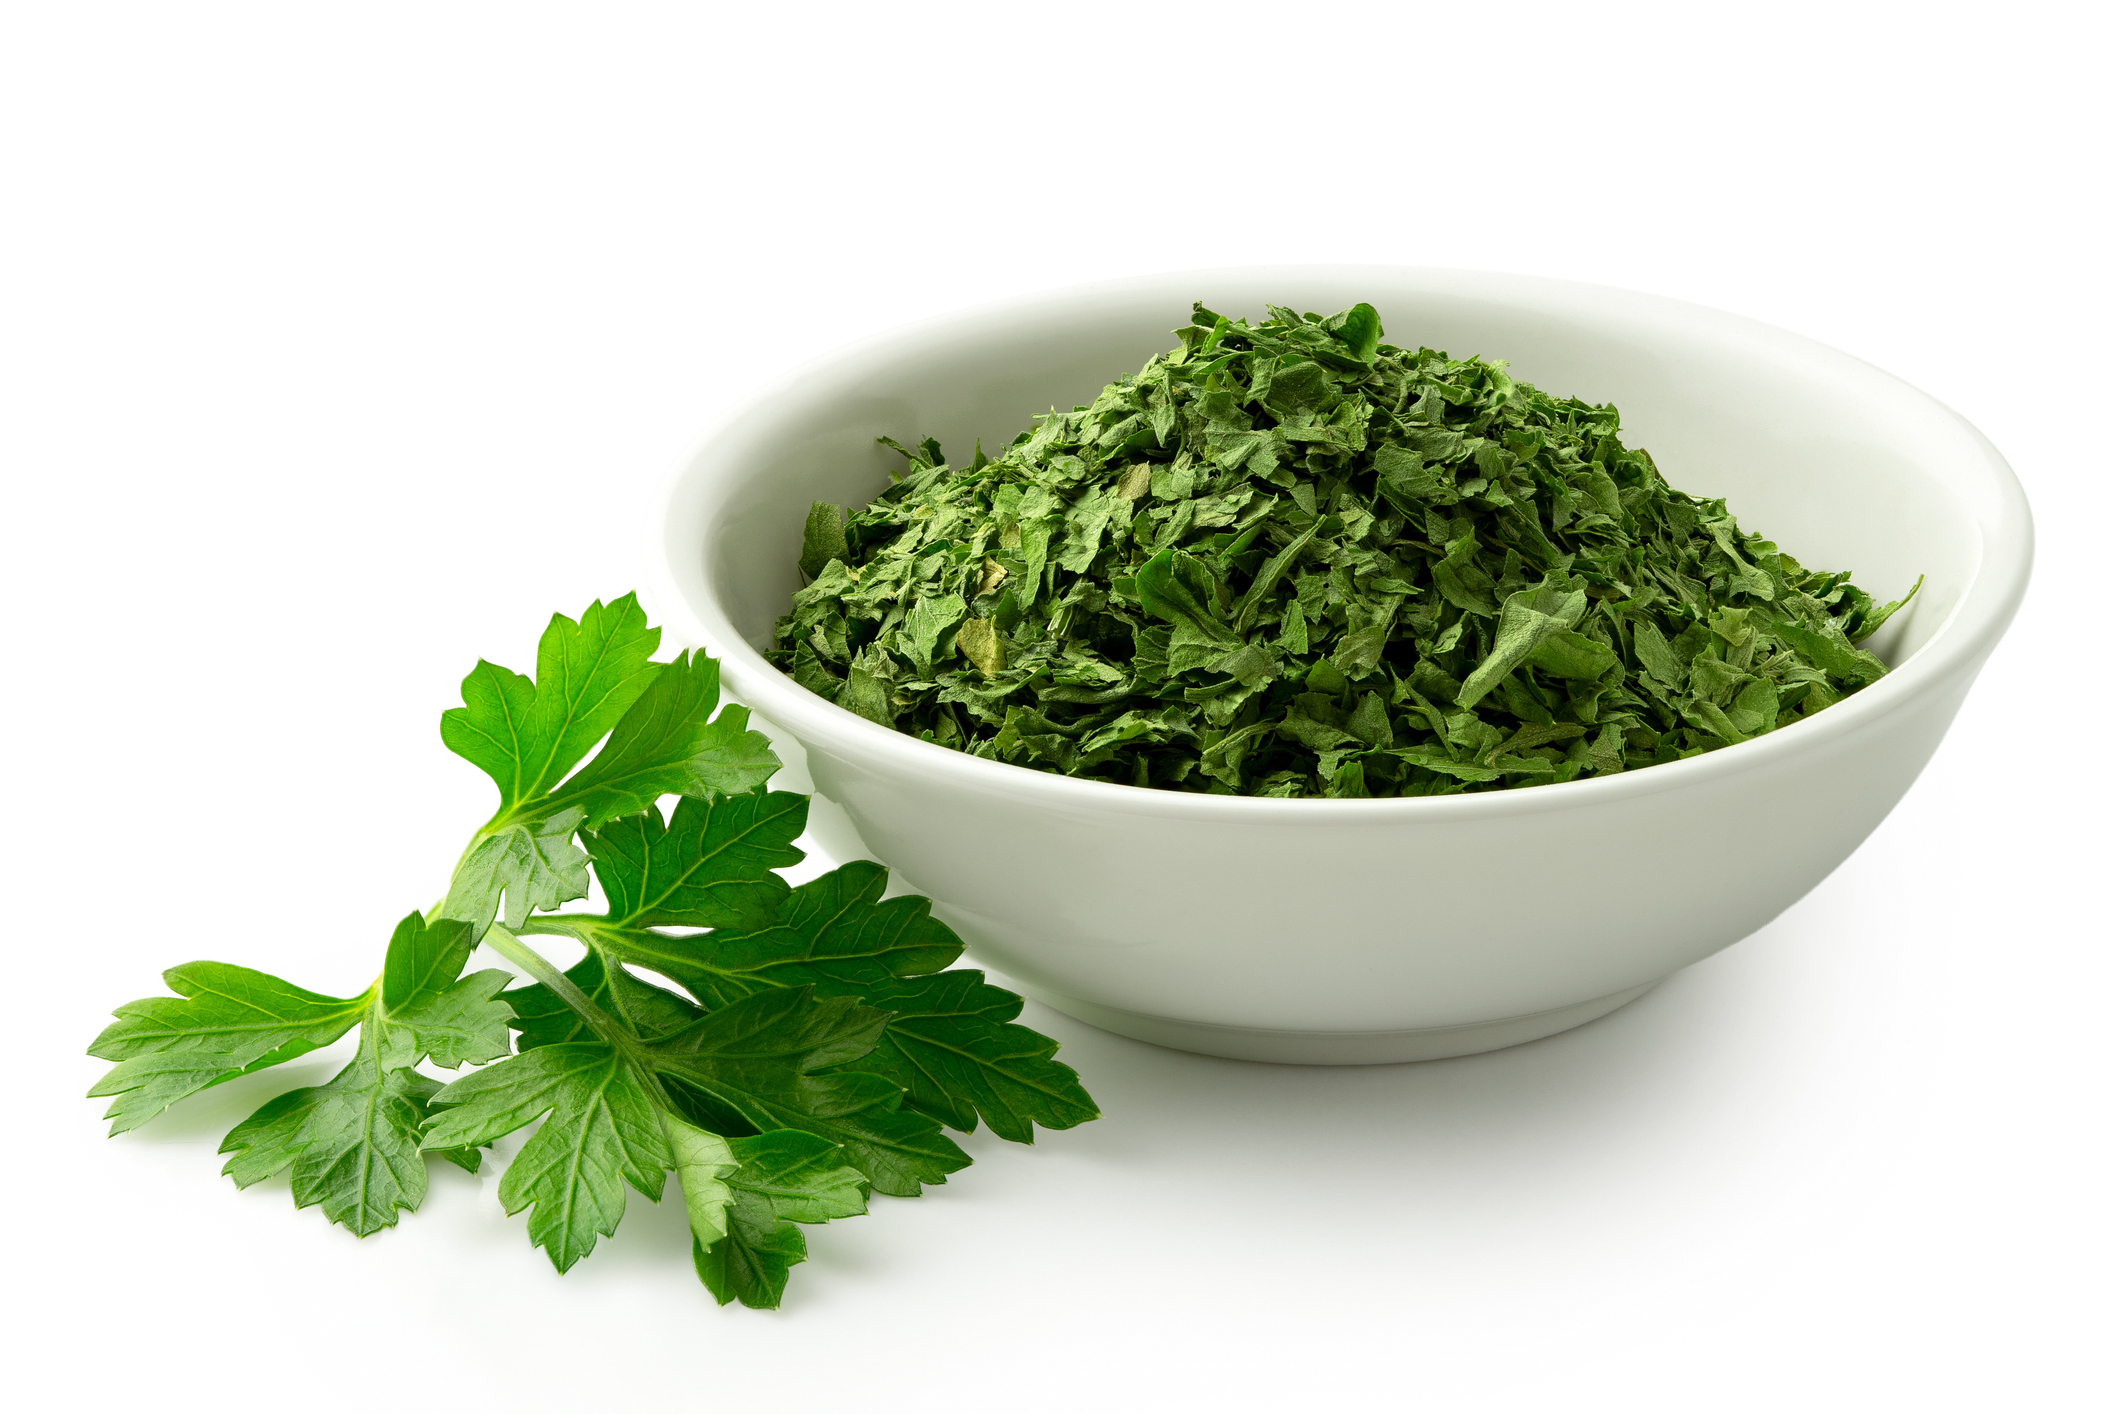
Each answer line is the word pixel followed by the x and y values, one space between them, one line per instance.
pixel 814 1054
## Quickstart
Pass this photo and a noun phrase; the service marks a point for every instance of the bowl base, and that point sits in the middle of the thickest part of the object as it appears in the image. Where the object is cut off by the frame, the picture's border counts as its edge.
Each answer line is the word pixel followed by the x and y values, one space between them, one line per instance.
pixel 1336 1047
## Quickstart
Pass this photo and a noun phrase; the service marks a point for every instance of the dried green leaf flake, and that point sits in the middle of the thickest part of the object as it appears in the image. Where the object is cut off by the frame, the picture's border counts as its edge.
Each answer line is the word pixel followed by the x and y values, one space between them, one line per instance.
pixel 1141 590
pixel 824 537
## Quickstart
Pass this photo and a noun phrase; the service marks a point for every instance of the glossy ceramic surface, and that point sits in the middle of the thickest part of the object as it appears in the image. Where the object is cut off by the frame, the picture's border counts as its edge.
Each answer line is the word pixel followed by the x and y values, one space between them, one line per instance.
pixel 1337 931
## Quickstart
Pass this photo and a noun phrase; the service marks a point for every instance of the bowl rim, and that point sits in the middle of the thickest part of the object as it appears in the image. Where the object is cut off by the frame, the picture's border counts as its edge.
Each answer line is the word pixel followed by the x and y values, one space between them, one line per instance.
pixel 2002 569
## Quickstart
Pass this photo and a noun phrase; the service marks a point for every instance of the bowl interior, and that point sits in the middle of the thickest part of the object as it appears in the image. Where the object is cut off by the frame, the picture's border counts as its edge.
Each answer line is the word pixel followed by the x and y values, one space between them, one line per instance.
pixel 1842 465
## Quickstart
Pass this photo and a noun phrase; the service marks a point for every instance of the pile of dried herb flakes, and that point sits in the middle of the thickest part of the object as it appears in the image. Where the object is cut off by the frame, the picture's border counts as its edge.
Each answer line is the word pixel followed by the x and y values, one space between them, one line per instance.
pixel 1286 559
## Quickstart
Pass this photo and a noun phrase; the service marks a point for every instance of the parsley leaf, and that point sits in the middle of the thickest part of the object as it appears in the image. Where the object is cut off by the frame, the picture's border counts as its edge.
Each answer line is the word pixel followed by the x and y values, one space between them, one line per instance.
pixel 951 1046
pixel 601 1126
pixel 528 736
pixel 594 678
pixel 534 863
pixel 710 866
pixel 778 1180
pixel 832 931
pixel 670 743
pixel 813 1057
pixel 353 1144
pixel 225 1021
pixel 948 1044
pixel 426 1009
pixel 767 1063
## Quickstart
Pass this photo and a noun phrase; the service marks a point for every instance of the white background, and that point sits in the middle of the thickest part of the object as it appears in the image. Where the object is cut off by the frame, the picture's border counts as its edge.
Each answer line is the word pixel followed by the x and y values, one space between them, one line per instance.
pixel 342 344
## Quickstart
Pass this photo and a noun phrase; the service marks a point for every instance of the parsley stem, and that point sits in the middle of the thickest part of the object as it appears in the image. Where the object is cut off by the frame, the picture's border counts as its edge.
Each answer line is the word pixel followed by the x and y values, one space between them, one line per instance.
pixel 609 1031
pixel 508 945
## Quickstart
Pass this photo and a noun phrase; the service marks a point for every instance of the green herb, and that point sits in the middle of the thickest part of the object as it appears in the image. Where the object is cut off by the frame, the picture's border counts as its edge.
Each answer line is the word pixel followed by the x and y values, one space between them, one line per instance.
pixel 1287 559
pixel 814 1055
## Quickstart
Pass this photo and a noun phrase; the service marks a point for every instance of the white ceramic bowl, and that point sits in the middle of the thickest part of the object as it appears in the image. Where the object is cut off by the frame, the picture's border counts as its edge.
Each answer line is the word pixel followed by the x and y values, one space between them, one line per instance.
pixel 1349 931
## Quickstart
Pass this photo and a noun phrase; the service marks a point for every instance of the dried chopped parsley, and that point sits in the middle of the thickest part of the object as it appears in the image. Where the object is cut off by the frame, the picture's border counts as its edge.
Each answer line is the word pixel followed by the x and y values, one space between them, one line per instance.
pixel 1288 559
